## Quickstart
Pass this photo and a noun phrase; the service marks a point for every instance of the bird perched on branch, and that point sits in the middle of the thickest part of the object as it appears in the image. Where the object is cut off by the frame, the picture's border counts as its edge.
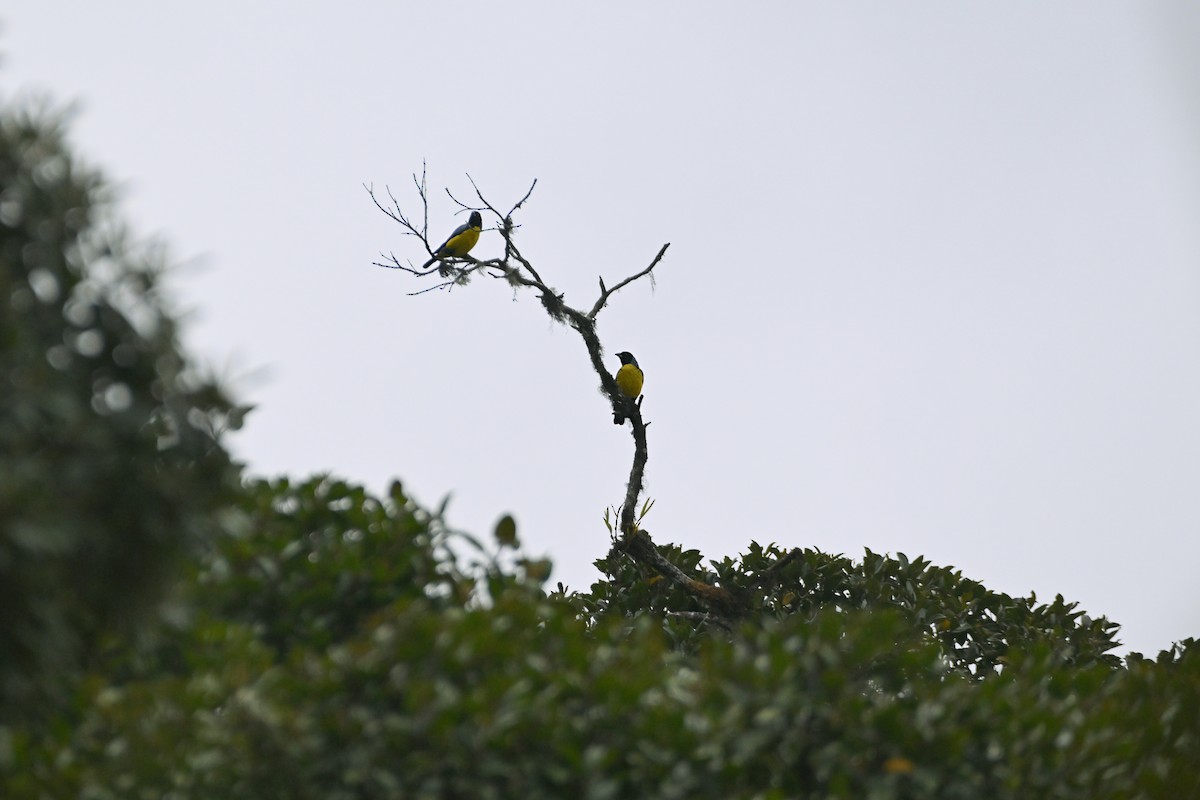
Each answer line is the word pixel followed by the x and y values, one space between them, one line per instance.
pixel 629 380
pixel 461 241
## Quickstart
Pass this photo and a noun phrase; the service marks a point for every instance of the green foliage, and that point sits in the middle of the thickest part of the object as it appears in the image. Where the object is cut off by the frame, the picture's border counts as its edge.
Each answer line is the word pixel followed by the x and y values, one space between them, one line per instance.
pixel 420 674
pixel 976 627
pixel 110 469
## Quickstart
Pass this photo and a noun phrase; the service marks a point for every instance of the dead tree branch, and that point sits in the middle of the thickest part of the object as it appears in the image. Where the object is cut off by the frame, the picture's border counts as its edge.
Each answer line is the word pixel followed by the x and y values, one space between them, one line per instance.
pixel 518 272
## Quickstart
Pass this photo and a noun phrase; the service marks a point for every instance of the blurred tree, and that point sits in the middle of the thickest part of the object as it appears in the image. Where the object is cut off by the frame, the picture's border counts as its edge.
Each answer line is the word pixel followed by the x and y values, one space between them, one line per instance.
pixel 108 463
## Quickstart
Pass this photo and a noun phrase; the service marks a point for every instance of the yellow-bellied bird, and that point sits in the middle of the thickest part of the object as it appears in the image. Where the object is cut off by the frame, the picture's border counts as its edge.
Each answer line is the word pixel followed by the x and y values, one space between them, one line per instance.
pixel 461 241
pixel 629 380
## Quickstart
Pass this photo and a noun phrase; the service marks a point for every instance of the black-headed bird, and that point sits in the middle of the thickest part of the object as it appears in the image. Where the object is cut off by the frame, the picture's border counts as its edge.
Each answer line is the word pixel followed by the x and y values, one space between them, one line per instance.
pixel 461 241
pixel 629 380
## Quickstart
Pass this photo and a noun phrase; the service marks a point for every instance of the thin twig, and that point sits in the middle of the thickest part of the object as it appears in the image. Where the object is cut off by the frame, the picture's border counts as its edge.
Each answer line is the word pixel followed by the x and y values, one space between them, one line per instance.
pixel 423 191
pixel 395 264
pixel 442 285
pixel 521 202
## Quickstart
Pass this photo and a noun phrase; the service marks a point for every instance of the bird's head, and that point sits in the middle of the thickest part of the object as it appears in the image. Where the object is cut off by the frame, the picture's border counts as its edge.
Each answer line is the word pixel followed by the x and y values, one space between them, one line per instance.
pixel 476 220
pixel 627 358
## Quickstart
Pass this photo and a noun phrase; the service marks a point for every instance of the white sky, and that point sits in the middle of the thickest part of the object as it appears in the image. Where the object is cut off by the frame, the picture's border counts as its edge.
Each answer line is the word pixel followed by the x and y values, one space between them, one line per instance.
pixel 933 285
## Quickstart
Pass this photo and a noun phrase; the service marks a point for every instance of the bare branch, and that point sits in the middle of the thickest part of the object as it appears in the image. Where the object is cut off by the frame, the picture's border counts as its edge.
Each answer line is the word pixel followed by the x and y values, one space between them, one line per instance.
pixel 521 202
pixel 606 293
pixel 465 207
pixel 443 285
pixel 479 194
pixel 511 249
pixel 422 190
pixel 399 216
pixel 410 229
pixel 395 264
pixel 396 215
pixel 637 471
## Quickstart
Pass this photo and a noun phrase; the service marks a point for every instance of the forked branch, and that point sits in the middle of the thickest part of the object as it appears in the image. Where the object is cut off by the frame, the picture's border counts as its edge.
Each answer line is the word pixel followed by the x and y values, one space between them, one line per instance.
pixel 519 273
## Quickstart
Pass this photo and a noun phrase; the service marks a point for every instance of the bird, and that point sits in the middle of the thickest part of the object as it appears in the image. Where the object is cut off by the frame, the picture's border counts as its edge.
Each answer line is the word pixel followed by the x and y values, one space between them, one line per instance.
pixel 629 380
pixel 461 241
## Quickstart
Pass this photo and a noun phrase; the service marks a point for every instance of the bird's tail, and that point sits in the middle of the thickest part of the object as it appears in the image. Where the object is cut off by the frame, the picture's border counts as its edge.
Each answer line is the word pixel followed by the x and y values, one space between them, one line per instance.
pixel 427 263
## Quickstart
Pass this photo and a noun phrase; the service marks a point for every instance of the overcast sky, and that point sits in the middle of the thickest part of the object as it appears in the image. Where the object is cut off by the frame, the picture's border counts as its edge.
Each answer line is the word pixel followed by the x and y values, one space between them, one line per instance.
pixel 933 284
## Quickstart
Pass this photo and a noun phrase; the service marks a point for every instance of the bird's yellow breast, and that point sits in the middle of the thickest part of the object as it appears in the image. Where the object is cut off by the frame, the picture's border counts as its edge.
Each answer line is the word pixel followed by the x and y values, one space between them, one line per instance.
pixel 629 380
pixel 461 244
